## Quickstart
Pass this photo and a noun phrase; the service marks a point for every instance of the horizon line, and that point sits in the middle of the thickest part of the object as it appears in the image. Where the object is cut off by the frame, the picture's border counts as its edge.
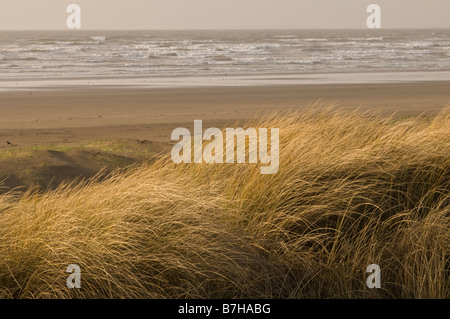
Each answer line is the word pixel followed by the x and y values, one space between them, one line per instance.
pixel 229 29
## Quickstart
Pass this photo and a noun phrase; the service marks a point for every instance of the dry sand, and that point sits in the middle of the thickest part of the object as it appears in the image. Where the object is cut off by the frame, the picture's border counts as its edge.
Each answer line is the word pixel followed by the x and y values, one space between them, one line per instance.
pixel 78 115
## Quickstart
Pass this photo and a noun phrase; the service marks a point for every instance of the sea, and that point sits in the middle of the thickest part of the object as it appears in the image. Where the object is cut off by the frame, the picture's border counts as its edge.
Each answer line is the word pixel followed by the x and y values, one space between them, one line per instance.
pixel 81 54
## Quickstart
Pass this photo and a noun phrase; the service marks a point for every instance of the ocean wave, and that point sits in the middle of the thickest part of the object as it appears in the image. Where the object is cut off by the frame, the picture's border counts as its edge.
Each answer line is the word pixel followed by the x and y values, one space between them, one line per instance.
pixel 286 36
pixel 187 53
pixel 366 39
pixel 169 54
pixel 316 50
pixel 221 58
pixel 316 40
pixel 21 59
pixel 100 38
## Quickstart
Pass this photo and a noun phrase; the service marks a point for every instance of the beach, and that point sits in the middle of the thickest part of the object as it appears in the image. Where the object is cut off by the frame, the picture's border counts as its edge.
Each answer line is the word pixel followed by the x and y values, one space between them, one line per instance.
pixel 359 138
pixel 79 114
pixel 62 131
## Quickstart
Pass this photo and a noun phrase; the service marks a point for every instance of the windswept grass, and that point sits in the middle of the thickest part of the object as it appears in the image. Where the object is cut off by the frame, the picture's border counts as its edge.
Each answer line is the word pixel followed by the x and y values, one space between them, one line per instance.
pixel 352 190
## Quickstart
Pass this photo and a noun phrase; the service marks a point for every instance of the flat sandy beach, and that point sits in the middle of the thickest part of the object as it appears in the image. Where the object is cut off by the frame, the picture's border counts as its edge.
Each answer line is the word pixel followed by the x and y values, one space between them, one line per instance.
pixel 74 115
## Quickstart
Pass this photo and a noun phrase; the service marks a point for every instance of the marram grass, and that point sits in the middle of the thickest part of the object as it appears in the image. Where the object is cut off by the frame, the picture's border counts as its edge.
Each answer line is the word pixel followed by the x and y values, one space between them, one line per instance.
pixel 351 190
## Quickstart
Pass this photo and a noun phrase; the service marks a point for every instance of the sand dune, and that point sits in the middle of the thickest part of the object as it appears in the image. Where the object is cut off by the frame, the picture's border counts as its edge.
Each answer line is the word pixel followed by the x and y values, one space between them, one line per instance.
pixel 352 190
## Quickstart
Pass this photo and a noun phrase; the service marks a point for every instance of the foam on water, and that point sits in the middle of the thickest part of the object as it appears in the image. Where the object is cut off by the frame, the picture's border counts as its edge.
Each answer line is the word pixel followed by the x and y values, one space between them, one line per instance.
pixel 147 53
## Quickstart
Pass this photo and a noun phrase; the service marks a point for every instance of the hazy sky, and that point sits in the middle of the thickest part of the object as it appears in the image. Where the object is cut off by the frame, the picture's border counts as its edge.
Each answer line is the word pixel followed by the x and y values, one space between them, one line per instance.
pixel 223 14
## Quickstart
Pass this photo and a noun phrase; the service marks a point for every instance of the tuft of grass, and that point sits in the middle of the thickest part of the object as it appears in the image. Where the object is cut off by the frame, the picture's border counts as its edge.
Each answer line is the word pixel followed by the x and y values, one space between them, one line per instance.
pixel 351 190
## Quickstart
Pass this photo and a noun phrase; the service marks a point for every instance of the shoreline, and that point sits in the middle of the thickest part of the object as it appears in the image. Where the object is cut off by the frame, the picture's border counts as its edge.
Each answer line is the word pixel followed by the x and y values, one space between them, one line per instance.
pixel 222 80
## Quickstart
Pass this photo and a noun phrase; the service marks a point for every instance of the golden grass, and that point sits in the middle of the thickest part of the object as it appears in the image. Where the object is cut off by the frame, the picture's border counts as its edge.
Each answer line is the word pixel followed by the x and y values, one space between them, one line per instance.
pixel 352 190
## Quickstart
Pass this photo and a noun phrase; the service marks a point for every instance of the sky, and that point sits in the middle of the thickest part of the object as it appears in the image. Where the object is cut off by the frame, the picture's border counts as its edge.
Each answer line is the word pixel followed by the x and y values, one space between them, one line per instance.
pixel 222 14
